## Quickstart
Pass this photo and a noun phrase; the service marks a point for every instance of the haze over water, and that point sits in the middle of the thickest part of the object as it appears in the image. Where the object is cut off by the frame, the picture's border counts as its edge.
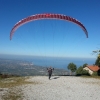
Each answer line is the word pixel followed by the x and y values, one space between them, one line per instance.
pixel 57 62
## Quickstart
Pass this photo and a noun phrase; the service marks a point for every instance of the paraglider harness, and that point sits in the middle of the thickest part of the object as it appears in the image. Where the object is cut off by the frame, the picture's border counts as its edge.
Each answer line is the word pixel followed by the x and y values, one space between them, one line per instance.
pixel 50 71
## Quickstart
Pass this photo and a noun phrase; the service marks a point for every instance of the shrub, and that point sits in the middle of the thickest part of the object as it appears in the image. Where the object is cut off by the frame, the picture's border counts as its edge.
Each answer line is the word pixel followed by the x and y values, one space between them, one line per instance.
pixel 80 71
pixel 95 74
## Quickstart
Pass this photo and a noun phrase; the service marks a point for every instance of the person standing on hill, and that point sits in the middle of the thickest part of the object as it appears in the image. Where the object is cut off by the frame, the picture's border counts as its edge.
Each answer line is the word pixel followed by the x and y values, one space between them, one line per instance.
pixel 50 69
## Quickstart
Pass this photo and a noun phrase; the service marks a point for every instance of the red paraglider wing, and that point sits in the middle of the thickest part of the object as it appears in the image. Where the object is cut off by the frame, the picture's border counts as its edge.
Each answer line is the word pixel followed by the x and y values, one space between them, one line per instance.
pixel 46 16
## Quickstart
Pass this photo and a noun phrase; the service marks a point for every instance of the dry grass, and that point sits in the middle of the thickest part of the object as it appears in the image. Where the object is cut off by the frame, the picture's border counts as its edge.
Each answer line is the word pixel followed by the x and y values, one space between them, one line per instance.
pixel 96 77
pixel 14 92
pixel 16 81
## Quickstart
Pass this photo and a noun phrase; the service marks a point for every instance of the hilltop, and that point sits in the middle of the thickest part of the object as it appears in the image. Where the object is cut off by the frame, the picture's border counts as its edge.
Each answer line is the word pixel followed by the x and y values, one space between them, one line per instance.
pixel 58 88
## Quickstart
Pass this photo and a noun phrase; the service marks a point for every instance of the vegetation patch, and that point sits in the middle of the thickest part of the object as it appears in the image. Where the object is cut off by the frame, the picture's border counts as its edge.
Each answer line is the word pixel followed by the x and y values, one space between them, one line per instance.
pixel 15 81
pixel 14 92
pixel 96 77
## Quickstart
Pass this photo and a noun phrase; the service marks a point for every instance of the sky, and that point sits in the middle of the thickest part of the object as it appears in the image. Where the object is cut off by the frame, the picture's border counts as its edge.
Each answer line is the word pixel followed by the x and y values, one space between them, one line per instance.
pixel 54 38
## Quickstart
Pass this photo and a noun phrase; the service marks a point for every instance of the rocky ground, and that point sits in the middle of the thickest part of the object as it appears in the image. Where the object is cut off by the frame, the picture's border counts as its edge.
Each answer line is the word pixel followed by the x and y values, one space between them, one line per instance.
pixel 62 88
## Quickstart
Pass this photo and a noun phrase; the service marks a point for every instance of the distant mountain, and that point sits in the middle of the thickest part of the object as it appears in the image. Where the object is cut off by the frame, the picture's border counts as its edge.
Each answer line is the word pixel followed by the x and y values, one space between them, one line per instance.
pixel 25 68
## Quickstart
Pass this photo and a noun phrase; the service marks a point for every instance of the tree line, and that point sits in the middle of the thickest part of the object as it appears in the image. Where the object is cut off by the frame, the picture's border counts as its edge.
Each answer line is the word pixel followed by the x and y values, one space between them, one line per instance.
pixel 80 71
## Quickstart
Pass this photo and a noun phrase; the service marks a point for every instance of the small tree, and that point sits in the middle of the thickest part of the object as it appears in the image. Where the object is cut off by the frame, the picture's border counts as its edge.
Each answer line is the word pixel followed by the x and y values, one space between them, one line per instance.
pixel 72 67
pixel 84 65
pixel 97 62
pixel 79 71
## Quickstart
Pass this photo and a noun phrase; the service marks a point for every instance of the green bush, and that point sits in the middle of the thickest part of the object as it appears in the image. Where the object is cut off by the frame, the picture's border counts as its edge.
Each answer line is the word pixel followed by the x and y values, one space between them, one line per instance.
pixel 80 71
pixel 95 74
pixel 85 72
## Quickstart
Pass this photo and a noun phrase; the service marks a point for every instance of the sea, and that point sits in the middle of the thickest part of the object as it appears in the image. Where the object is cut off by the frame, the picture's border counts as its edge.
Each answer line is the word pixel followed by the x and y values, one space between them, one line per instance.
pixel 56 62
pixel 61 62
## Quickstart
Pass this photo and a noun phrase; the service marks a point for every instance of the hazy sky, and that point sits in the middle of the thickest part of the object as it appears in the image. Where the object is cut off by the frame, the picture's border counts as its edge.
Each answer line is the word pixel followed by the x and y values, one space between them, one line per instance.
pixel 50 37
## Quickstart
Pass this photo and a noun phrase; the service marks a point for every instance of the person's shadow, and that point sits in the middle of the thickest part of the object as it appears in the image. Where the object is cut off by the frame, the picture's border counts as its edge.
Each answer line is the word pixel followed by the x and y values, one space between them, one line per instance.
pixel 55 77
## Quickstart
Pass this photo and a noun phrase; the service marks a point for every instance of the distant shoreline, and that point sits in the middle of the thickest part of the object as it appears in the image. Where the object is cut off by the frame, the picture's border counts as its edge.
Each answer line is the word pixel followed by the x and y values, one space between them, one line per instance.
pixel 57 62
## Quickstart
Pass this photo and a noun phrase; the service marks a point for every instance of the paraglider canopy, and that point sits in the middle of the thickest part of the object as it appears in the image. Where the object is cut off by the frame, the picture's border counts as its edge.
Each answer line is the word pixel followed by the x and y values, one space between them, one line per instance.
pixel 47 16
